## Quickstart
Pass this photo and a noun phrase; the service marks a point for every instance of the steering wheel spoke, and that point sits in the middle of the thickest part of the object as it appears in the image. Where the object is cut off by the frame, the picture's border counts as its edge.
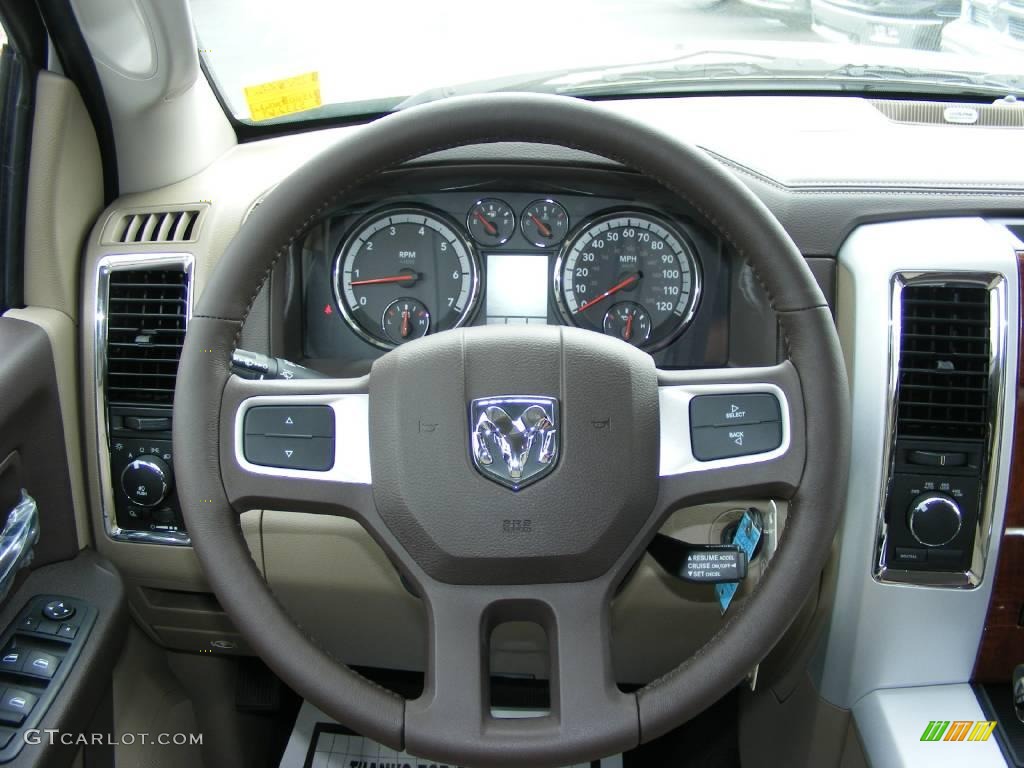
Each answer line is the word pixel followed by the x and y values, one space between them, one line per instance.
pixel 730 433
pixel 457 698
pixel 299 445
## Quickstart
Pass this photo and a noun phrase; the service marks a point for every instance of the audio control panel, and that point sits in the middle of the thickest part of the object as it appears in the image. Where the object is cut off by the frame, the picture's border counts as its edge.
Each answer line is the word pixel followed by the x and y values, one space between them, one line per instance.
pixel 141 471
pixel 933 504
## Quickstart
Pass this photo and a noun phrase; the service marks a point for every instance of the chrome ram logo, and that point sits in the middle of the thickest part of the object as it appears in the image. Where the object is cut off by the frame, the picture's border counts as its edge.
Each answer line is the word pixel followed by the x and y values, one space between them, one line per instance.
pixel 514 438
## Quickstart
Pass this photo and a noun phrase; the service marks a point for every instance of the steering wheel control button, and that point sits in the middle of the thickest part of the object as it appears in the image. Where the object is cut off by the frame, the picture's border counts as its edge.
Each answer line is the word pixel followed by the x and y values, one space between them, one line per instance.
pixel 733 410
pixel 40 663
pixel 58 610
pixel 711 443
pixel 290 421
pixel 311 453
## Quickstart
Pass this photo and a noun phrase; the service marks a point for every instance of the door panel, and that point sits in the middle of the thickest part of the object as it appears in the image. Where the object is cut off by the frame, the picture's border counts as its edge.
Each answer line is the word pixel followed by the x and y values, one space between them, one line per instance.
pixel 32 439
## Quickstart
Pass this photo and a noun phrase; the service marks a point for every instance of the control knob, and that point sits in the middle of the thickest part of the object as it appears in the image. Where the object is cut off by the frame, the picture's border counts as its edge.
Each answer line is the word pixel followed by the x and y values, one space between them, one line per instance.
pixel 934 519
pixel 146 481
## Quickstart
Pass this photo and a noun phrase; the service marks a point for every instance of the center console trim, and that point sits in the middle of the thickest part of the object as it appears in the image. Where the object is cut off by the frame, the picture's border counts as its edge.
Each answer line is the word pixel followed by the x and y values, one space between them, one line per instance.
pixel 104 267
pixel 996 285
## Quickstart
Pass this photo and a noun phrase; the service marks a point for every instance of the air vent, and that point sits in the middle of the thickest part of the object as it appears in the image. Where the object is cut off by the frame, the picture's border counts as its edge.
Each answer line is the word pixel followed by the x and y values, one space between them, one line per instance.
pixel 945 356
pixel 146 314
pixel 144 226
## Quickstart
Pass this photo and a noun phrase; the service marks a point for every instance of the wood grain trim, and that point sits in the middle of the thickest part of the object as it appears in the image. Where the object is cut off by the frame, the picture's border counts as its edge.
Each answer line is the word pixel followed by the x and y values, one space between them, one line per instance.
pixel 1002 642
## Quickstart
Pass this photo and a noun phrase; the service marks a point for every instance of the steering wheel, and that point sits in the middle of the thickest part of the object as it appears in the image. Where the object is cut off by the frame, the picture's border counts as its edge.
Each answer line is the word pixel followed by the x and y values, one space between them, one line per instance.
pixel 478 552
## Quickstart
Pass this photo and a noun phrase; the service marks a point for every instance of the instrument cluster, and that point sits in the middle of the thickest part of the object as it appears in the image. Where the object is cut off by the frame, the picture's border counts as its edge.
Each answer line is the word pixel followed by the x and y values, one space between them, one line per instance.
pixel 407 270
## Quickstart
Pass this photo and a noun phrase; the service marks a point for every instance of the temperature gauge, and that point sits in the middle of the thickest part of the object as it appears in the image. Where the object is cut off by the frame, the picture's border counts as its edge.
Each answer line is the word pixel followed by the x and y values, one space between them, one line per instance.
pixel 491 222
pixel 404 320
pixel 628 321
pixel 545 223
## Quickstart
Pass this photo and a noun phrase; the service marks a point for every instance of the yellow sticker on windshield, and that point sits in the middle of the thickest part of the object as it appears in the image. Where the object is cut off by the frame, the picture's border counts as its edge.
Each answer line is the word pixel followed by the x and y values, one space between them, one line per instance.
pixel 283 97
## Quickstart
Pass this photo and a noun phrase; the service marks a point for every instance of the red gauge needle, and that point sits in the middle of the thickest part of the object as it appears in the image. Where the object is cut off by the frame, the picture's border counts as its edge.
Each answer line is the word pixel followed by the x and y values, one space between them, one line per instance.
pixel 411 277
pixel 541 226
pixel 491 229
pixel 625 283
pixel 628 333
pixel 405 323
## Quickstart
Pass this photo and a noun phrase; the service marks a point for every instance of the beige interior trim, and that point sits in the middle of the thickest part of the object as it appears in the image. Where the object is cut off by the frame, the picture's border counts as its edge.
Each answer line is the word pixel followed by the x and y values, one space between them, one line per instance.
pixel 65 194
pixel 64 342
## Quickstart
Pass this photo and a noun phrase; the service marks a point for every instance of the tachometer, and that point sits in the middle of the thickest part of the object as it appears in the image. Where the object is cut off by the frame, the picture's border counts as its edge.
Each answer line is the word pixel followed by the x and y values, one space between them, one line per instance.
pixel 405 272
pixel 631 275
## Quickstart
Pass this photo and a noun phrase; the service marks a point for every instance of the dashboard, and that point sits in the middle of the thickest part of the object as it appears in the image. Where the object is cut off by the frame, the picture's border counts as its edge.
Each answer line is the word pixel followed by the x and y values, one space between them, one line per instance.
pixel 862 197
pixel 601 254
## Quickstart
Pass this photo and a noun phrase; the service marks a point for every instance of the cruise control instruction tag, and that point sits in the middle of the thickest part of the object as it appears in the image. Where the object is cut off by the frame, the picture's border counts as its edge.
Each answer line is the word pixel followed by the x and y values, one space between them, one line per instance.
pixel 748 534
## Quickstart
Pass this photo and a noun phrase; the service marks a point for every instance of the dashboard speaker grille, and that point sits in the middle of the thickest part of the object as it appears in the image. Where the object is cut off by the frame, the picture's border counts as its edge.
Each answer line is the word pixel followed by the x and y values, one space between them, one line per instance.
pixel 147 310
pixel 945 357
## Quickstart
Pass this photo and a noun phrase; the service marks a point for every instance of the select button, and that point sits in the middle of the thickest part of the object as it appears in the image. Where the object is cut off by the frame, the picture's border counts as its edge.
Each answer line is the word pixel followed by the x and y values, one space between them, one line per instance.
pixel 732 410
pixel 312 453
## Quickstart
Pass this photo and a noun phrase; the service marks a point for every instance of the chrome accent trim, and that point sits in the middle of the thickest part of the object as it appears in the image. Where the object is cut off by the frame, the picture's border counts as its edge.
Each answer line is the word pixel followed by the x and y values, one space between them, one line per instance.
pixel 351 437
pixel 106 265
pixel 507 427
pixel 998 319
pixel 1014 531
pixel 676 453
pixel 18 539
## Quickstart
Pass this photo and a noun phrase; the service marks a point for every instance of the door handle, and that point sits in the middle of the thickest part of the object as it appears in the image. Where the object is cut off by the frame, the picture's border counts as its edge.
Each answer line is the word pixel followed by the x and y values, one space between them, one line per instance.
pixel 17 541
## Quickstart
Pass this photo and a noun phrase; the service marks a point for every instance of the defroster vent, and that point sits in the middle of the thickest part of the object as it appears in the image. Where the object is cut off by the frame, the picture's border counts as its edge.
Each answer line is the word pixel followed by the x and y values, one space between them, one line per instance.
pixel 945 354
pixel 146 316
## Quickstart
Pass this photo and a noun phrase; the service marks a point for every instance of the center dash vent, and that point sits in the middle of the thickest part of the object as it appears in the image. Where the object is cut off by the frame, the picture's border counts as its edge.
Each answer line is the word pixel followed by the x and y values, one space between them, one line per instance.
pixel 178 225
pixel 945 354
pixel 147 310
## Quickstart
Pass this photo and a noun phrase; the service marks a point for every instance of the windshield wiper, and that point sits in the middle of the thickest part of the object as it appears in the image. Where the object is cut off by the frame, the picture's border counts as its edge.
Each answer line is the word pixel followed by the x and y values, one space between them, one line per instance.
pixel 781 73
pixel 726 70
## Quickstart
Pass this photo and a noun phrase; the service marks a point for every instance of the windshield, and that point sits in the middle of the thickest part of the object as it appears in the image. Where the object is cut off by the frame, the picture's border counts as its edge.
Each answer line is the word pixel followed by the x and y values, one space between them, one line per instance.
pixel 275 61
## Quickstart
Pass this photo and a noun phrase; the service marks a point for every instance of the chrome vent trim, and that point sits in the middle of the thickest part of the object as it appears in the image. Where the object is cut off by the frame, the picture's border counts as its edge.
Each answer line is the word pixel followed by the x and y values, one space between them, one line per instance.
pixel 105 267
pixel 995 383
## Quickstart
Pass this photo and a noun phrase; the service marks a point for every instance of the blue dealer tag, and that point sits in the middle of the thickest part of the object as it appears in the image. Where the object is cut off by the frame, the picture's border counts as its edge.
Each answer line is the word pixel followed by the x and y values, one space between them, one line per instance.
pixel 748 533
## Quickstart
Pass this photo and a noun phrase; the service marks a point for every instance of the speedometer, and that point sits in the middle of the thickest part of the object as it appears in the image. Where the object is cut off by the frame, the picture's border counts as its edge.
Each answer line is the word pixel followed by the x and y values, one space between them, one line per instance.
pixel 631 275
pixel 403 273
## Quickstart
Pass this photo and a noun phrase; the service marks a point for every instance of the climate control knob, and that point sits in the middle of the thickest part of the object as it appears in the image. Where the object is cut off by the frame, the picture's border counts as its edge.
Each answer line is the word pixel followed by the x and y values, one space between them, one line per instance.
pixel 146 481
pixel 934 519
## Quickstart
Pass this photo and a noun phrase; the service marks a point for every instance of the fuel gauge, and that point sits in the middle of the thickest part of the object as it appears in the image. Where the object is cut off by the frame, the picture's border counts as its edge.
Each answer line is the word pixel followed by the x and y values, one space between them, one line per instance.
pixel 491 222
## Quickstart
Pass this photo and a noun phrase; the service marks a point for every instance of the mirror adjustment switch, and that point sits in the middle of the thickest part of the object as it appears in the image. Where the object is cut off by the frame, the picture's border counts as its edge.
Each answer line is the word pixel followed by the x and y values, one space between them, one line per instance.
pixel 58 610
